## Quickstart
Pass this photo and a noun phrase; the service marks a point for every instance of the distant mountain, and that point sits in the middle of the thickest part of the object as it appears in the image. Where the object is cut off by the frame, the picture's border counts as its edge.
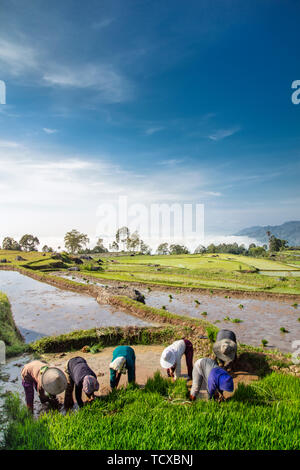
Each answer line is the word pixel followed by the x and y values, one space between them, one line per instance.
pixel 289 231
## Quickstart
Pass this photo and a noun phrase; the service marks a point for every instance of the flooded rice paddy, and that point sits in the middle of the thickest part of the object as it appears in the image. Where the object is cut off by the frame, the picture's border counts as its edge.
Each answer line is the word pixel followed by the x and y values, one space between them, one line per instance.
pixel 261 319
pixel 43 310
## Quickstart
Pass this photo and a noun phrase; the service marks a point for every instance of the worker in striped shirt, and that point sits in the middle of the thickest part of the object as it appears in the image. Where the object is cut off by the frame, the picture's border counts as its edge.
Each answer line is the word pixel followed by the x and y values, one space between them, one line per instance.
pixel 216 380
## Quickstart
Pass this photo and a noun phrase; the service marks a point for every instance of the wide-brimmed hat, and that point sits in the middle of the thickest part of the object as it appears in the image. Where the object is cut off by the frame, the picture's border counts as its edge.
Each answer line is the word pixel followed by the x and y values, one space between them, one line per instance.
pixel 167 359
pixel 225 349
pixel 54 381
pixel 118 364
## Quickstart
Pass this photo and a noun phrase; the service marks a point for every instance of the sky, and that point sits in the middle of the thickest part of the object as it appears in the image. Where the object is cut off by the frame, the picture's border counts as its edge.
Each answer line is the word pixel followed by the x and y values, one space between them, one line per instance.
pixel 161 102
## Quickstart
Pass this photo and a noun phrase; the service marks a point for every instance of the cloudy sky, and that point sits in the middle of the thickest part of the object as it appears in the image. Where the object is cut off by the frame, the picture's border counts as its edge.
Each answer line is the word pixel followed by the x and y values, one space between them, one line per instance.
pixel 162 102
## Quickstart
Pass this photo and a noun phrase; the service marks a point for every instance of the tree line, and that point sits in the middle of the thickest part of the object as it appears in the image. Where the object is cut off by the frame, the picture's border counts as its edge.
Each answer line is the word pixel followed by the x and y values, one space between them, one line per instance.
pixel 76 242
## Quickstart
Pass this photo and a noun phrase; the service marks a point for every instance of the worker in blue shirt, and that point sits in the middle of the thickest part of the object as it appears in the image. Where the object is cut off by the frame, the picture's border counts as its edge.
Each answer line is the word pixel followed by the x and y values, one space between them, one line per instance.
pixel 123 361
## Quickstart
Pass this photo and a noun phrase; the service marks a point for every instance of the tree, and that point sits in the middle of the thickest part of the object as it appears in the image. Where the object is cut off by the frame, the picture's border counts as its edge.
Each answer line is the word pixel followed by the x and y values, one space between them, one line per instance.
pixel 114 246
pixel 133 241
pixel 29 243
pixel 47 249
pixel 74 241
pixel 163 249
pixel 99 248
pixel 275 244
pixel 176 249
pixel 257 251
pixel 200 249
pixel 10 244
pixel 145 249
pixel 122 236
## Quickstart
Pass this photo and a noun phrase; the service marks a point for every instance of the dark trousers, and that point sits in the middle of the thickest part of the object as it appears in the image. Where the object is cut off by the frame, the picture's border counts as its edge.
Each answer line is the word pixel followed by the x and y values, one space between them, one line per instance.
pixel 189 353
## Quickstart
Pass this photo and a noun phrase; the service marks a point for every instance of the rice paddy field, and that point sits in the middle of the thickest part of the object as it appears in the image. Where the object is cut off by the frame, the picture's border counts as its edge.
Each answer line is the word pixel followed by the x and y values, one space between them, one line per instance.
pixel 262 415
pixel 221 271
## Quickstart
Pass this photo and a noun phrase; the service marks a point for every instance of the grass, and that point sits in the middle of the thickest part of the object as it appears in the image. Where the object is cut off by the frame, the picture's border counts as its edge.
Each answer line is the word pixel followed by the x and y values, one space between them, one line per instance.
pixel 97 338
pixel 263 415
pixel 9 333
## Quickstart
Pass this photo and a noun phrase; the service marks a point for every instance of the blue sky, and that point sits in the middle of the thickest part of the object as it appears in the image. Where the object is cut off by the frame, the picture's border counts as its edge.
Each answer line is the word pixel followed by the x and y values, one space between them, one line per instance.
pixel 160 101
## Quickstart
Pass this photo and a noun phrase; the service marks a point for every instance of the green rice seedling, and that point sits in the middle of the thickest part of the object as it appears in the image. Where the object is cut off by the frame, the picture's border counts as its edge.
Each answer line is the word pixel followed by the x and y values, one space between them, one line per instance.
pixel 295 305
pixel 164 307
pixel 227 318
pixel 211 332
pixel 95 348
pixel 197 302
pixel 299 319
pixel 236 320
pixel 170 297
pixel 264 342
pixel 160 417
pixel 241 306
pixel 283 330
pixel 204 314
pixel 149 289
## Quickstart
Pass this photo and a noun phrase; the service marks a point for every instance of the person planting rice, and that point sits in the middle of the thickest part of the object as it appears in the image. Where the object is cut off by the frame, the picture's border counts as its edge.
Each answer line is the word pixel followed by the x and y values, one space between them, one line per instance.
pixel 171 358
pixel 47 381
pixel 123 362
pixel 225 348
pixel 83 378
pixel 216 380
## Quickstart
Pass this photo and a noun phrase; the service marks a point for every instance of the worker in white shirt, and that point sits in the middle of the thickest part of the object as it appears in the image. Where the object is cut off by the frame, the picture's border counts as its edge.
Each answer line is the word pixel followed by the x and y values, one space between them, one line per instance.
pixel 171 358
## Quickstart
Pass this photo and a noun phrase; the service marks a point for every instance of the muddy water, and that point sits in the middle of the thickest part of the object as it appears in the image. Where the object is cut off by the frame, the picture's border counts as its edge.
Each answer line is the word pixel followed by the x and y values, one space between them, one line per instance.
pixel 261 319
pixel 43 310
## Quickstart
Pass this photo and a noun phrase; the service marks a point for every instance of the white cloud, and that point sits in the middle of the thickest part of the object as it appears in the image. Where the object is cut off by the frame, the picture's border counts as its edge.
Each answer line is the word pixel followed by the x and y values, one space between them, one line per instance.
pixel 49 131
pixel 222 133
pixel 17 58
pixel 9 144
pixel 104 79
pixel 153 130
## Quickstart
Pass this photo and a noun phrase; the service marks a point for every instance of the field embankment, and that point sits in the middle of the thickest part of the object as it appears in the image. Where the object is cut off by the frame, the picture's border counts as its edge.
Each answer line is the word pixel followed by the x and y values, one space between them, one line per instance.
pixel 9 333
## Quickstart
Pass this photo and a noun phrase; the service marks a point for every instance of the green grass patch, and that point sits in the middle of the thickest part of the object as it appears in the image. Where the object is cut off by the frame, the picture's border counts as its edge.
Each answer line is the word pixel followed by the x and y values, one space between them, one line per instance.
pixel 262 415
pixel 9 333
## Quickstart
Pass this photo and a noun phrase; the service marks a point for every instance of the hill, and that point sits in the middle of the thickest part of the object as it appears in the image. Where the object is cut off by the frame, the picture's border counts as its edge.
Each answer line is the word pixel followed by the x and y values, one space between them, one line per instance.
pixel 289 231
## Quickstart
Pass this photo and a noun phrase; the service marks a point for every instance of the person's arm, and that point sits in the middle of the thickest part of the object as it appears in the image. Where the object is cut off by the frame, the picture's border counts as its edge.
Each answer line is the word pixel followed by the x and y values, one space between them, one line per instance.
pixel 113 378
pixel 68 401
pixel 29 394
pixel 131 369
pixel 177 371
pixel 78 394
pixel 197 382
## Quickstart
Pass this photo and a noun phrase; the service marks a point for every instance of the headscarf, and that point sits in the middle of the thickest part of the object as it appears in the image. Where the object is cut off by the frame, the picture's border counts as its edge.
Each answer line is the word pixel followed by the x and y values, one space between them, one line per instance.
pixel 119 364
pixel 90 384
pixel 220 380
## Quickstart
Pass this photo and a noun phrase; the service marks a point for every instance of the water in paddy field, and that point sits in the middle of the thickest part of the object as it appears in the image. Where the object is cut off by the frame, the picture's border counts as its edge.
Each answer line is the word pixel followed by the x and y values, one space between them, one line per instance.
pixel 261 319
pixel 43 310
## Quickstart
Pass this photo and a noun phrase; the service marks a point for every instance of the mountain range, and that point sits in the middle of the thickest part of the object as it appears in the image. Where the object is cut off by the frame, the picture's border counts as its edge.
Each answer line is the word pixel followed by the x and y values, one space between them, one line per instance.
pixel 289 231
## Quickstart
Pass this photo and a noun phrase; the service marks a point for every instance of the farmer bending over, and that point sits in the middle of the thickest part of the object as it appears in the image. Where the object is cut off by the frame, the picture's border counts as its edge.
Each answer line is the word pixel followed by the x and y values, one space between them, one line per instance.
pixel 84 379
pixel 215 379
pixel 123 361
pixel 171 358
pixel 225 348
pixel 47 381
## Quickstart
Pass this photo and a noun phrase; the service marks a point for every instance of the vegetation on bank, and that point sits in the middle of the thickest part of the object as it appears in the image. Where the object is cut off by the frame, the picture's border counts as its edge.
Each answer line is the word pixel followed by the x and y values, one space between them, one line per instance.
pixel 102 337
pixel 9 333
pixel 262 415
